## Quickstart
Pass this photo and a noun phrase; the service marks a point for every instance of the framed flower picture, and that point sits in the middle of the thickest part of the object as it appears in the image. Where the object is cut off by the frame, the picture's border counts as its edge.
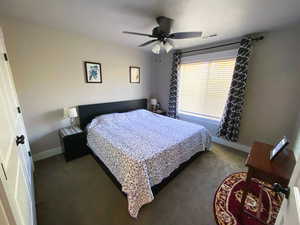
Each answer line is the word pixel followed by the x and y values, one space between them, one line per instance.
pixel 134 74
pixel 93 73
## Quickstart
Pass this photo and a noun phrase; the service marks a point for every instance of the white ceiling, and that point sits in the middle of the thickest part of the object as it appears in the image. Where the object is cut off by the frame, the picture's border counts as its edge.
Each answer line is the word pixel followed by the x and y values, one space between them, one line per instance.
pixel 106 19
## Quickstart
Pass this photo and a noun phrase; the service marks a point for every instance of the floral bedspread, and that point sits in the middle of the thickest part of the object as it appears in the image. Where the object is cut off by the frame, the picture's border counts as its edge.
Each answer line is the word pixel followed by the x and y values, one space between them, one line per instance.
pixel 141 148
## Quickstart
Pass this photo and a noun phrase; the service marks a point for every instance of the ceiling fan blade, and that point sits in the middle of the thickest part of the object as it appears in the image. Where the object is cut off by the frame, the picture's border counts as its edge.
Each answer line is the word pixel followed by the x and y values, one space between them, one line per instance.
pixel 135 33
pixel 183 35
pixel 148 43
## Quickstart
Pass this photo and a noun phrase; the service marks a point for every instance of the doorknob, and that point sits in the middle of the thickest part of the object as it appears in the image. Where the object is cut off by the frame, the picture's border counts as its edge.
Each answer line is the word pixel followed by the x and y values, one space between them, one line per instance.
pixel 20 140
pixel 279 189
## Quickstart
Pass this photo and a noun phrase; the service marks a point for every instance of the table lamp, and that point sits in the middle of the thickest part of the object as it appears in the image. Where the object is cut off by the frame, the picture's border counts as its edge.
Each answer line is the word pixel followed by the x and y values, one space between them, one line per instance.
pixel 153 104
pixel 71 113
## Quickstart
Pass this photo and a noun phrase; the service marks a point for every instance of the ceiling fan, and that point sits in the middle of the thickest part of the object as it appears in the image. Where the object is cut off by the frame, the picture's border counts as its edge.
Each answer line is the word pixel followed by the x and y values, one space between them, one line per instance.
pixel 162 35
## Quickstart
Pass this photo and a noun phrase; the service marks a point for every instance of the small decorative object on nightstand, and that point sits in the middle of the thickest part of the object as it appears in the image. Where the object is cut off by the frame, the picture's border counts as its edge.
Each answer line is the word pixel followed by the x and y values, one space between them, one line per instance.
pixel 73 142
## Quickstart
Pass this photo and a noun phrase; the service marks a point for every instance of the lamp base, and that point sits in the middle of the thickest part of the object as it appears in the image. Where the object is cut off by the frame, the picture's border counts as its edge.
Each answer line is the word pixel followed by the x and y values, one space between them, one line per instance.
pixel 73 122
pixel 153 108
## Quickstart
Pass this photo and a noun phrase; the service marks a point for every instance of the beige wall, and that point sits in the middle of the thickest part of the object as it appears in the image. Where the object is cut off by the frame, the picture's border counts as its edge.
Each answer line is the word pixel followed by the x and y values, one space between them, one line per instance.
pixel 47 65
pixel 272 99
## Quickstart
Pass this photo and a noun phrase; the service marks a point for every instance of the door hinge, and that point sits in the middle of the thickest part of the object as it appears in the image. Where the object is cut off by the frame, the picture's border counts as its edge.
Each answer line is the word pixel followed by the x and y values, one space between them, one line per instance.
pixel 4 171
pixel 5 57
pixel 29 153
pixel 19 109
pixel 20 139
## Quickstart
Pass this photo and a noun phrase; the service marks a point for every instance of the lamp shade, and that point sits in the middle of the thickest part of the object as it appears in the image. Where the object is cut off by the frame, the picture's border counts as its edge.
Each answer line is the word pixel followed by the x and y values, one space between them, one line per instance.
pixel 73 112
pixel 156 48
pixel 70 112
pixel 168 46
pixel 153 101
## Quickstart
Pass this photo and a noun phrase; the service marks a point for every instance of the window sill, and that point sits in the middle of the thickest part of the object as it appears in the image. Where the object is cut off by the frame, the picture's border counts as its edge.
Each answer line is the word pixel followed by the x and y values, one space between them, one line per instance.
pixel 191 116
pixel 210 124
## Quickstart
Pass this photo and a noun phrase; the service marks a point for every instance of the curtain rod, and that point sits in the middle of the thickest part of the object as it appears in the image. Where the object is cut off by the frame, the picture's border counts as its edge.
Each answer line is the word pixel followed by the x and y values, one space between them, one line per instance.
pixel 219 46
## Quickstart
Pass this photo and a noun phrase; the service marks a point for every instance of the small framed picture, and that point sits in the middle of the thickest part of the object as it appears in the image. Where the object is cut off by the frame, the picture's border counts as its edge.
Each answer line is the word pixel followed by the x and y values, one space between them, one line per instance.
pixel 93 73
pixel 279 147
pixel 134 74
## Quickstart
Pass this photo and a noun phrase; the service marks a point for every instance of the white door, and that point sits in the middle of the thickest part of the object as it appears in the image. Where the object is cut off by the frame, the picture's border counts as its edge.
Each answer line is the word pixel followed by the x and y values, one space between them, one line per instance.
pixel 289 213
pixel 3 215
pixel 16 163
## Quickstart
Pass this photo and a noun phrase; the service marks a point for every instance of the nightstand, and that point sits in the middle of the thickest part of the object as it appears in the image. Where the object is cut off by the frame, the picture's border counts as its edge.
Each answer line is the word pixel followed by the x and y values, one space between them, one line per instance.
pixel 160 112
pixel 73 142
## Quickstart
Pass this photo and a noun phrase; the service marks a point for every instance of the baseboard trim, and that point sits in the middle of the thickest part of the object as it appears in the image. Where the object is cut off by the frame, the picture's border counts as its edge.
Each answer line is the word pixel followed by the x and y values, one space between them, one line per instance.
pixel 47 154
pixel 243 148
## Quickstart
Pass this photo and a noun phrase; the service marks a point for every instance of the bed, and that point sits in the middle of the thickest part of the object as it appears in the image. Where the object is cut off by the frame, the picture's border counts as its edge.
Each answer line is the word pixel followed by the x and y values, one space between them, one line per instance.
pixel 141 149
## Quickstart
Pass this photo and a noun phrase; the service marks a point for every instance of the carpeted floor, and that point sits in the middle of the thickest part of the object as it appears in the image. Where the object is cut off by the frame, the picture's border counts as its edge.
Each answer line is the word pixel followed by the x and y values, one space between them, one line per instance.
pixel 80 193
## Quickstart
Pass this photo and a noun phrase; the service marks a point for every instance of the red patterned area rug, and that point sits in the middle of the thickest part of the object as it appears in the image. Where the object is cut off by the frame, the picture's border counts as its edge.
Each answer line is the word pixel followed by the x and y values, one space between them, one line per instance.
pixel 228 198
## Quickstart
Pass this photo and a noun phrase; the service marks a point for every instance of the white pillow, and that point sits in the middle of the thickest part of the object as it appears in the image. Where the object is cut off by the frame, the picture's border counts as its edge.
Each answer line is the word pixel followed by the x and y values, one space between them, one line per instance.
pixel 102 118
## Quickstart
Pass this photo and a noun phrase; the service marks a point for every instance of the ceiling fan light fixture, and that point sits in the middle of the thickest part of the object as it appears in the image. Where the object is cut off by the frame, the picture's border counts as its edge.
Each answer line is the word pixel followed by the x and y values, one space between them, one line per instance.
pixel 168 46
pixel 156 48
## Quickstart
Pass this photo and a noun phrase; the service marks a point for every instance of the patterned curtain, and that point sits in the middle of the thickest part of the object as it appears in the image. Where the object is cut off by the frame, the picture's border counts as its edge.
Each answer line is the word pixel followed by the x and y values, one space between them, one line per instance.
pixel 173 85
pixel 230 122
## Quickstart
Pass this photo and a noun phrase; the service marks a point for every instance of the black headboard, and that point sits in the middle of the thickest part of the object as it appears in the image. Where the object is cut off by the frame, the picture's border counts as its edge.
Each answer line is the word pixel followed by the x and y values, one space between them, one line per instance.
pixel 88 112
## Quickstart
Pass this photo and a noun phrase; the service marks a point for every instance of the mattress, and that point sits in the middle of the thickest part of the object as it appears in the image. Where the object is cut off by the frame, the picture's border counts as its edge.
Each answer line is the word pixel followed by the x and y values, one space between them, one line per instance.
pixel 141 148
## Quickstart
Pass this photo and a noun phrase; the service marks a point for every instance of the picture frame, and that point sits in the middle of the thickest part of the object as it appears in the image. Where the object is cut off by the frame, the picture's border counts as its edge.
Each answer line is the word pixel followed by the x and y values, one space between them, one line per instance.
pixel 93 72
pixel 279 147
pixel 134 74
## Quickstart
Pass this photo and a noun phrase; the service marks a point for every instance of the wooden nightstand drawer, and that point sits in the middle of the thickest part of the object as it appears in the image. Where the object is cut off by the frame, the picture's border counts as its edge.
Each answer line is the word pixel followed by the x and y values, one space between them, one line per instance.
pixel 73 144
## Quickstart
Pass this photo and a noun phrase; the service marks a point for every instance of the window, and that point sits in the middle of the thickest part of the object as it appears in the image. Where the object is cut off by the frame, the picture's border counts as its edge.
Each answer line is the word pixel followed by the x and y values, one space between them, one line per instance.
pixel 204 83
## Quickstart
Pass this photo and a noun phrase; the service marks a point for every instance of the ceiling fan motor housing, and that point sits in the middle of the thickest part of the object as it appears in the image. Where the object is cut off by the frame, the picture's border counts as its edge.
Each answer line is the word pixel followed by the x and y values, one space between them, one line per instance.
pixel 165 23
pixel 159 33
pixel 164 28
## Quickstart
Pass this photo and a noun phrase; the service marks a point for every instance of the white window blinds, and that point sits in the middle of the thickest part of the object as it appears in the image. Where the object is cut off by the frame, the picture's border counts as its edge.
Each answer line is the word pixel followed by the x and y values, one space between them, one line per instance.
pixel 204 85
